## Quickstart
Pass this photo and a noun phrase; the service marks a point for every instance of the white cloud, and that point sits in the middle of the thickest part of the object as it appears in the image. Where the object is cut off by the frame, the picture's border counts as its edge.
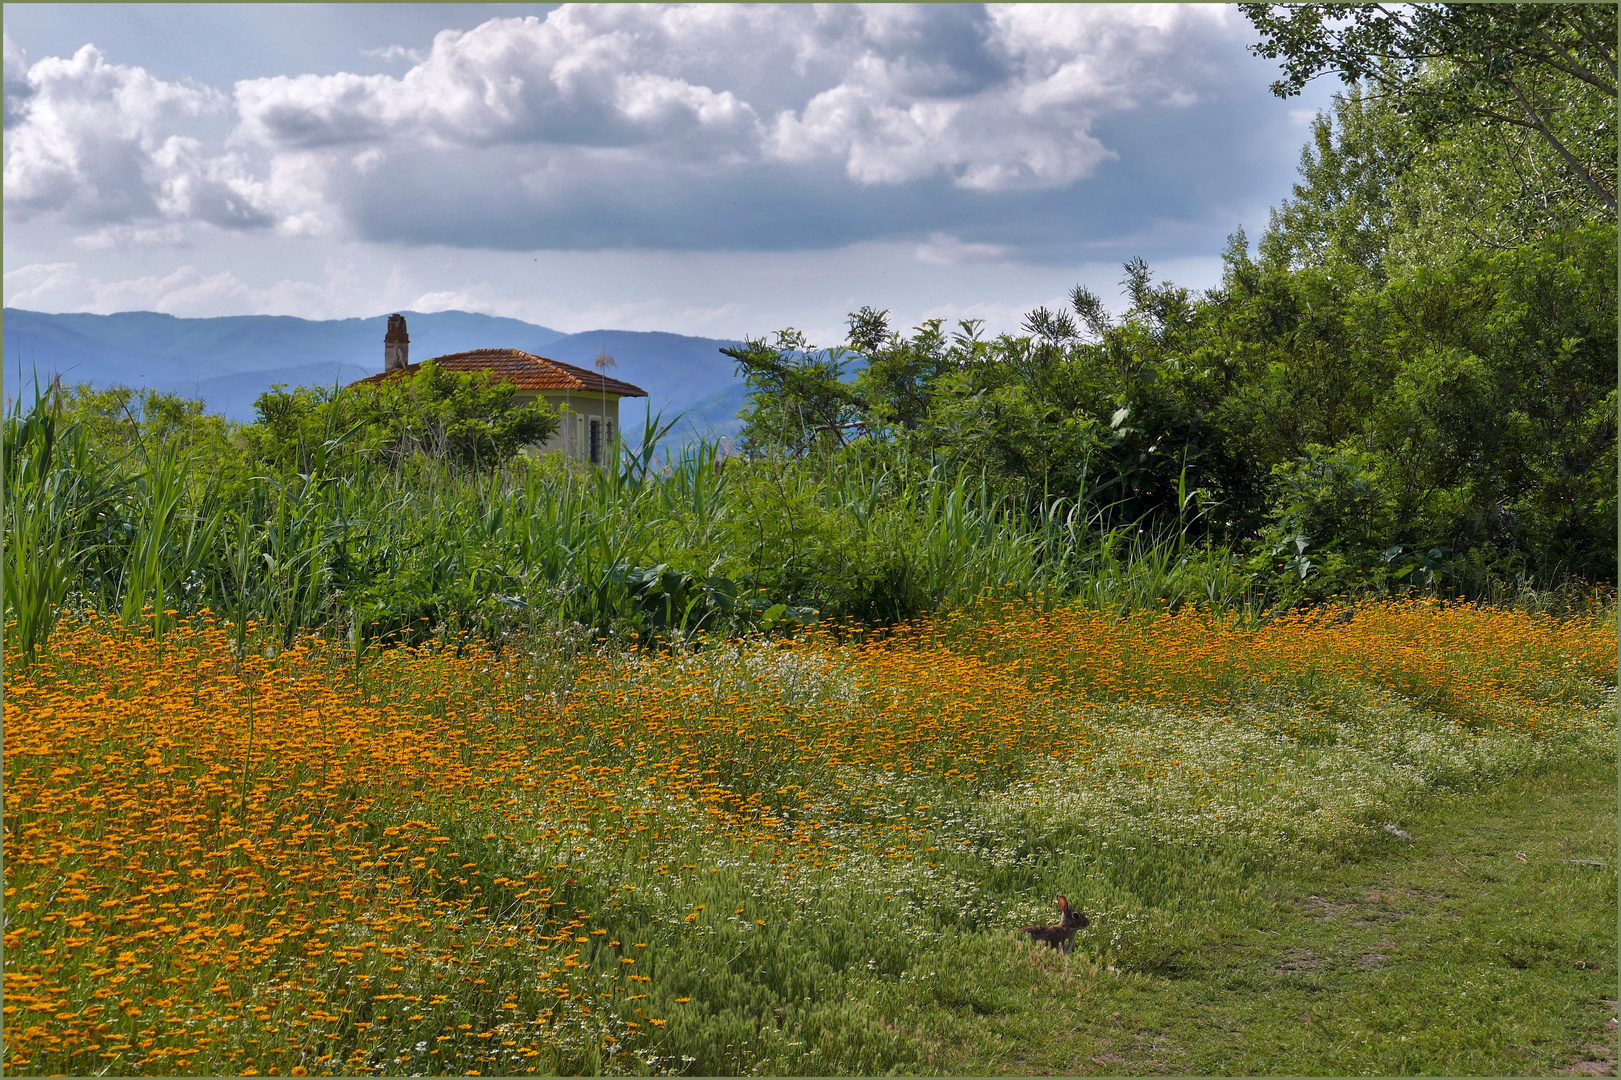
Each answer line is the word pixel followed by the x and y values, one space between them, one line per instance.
pixel 453 300
pixel 396 53
pixel 110 237
pixel 581 77
pixel 192 186
pixel 184 291
pixel 296 188
pixel 659 99
pixel 1009 108
pixel 943 249
pixel 41 286
pixel 1064 66
pixel 995 100
pixel 625 126
pixel 95 142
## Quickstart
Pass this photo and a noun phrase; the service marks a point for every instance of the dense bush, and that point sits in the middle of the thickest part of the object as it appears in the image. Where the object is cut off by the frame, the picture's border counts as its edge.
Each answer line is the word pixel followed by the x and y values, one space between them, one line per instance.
pixel 464 416
pixel 1458 421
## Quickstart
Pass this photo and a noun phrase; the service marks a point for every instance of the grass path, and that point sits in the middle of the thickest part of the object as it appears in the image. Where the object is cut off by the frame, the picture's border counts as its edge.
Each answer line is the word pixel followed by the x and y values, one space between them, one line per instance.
pixel 1486 946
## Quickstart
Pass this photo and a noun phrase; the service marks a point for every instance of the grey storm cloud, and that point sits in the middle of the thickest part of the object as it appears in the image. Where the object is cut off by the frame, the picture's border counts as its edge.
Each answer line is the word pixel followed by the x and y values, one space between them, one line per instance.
pixel 704 126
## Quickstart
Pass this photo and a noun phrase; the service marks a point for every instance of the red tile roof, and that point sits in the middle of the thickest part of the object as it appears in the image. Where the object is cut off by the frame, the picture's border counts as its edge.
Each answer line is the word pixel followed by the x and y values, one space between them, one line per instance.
pixel 525 371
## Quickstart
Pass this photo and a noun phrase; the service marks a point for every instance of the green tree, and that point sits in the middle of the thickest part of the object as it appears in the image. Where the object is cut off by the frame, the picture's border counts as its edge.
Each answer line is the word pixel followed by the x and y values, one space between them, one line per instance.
pixel 1346 417
pixel 469 418
pixel 1375 195
pixel 799 400
pixel 132 421
pixel 1464 409
pixel 899 374
pixel 1545 69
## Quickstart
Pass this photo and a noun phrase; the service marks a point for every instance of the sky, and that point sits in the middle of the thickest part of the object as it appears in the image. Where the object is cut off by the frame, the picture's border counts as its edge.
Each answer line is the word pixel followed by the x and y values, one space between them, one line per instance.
pixel 717 170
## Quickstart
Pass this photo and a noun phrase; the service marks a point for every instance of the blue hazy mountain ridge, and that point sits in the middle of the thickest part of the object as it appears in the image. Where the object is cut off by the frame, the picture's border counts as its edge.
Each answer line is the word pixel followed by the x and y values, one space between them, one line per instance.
pixel 229 361
pixel 687 375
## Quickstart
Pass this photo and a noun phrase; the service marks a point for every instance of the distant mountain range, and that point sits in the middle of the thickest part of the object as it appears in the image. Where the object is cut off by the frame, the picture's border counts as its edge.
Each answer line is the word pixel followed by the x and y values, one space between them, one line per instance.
pixel 228 362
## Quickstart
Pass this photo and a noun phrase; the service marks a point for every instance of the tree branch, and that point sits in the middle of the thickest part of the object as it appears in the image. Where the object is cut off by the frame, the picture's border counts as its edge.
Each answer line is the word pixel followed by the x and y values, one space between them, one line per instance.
pixel 1541 126
pixel 1572 66
pixel 793 375
pixel 1580 22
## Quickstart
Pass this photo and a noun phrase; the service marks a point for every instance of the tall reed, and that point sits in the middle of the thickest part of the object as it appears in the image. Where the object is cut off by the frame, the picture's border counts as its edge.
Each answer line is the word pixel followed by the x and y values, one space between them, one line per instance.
pixel 662 549
pixel 42 509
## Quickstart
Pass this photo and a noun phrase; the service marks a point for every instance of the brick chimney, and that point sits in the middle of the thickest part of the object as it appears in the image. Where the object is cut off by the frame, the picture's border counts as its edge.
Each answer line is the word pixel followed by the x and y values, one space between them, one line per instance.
pixel 396 344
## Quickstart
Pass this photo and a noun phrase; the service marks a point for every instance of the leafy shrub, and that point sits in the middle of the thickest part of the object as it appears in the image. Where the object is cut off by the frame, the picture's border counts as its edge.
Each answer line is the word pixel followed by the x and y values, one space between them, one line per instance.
pixel 466 417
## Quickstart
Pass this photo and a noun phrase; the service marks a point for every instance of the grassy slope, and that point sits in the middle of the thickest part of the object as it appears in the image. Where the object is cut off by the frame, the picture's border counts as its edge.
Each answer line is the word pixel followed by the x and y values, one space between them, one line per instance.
pixel 1452 955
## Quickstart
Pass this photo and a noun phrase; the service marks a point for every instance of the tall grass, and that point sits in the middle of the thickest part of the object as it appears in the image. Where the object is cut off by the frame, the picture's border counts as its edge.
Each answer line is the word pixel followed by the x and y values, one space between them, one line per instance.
pixel 38 515
pixel 169 545
pixel 649 549
pixel 59 499
pixel 367 551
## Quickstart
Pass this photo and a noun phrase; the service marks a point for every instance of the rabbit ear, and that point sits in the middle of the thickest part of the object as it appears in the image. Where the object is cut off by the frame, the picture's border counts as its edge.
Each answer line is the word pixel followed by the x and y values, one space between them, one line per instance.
pixel 1063 904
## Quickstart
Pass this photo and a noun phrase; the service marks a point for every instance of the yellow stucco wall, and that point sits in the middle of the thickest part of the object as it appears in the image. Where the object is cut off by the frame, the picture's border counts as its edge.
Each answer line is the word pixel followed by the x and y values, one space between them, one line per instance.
pixel 578 411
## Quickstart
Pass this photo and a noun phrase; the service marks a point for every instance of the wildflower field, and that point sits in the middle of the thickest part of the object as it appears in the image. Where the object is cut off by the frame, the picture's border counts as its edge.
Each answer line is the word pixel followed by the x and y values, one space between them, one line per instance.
pixel 747 856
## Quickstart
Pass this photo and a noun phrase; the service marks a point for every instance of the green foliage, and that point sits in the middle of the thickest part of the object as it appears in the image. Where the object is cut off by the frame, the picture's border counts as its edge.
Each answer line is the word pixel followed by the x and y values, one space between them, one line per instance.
pixel 799 400
pixel 1544 69
pixel 1375 196
pixel 119 419
pixel 467 417
pixel 1462 415
pixel 1346 206
pixel 899 375
pixel 1477 401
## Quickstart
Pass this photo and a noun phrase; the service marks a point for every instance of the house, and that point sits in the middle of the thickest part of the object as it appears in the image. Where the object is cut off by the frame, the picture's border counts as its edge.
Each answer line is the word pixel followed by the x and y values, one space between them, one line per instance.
pixel 587 401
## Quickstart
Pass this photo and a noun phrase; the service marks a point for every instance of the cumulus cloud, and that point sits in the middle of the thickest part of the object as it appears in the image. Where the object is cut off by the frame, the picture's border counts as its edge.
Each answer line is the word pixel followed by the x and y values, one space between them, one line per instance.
pixel 616 125
pixel 194 186
pixel 580 78
pixel 17 90
pixel 993 99
pixel 892 119
pixel 95 142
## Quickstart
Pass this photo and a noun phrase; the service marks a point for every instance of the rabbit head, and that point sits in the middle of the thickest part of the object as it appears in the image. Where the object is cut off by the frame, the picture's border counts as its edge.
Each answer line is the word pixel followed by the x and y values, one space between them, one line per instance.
pixel 1070 918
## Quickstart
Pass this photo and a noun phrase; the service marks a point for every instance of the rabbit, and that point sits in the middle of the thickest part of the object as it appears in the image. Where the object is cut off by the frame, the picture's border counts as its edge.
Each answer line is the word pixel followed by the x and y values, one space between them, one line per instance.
pixel 1062 935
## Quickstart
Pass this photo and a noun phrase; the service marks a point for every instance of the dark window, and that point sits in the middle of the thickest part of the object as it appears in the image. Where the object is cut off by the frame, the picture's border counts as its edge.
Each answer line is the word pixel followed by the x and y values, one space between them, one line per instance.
pixel 596 442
